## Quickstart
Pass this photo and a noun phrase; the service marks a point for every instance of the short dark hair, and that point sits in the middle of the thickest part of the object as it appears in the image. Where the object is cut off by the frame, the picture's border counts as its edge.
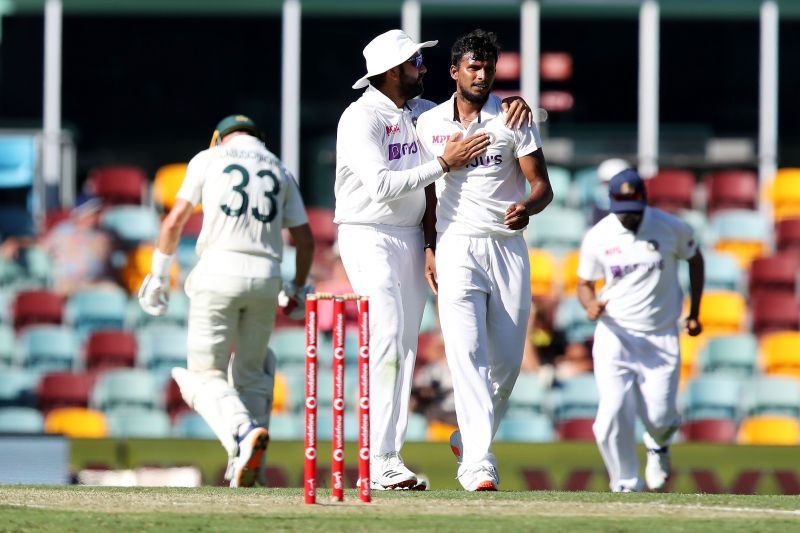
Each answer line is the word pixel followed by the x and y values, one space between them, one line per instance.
pixel 482 45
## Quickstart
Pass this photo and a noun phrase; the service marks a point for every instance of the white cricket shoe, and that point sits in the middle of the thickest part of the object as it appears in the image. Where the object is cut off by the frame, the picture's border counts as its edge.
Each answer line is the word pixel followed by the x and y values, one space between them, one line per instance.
pixel 658 468
pixel 245 466
pixel 392 474
pixel 479 478
pixel 638 486
pixel 455 444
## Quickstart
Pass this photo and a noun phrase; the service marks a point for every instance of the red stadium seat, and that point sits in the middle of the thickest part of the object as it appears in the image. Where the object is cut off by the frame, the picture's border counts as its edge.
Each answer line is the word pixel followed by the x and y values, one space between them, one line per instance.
pixel 37 307
pixel 193 225
pixel 575 429
pixel 64 389
pixel 787 235
pixel 775 311
pixel 731 189
pixel 777 273
pixel 720 430
pixel 107 349
pixel 118 184
pixel 321 221
pixel 671 190
pixel 173 400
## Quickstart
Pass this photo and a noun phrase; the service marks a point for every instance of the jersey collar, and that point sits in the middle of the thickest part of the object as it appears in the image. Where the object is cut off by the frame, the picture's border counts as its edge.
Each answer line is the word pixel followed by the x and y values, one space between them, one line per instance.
pixel 489 110
pixel 622 230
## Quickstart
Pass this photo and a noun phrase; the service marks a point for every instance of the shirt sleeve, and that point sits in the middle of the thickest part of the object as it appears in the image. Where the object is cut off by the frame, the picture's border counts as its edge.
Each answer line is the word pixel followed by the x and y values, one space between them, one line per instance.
pixel 192 187
pixel 366 159
pixel 527 140
pixel 425 152
pixel 687 244
pixel 294 212
pixel 589 268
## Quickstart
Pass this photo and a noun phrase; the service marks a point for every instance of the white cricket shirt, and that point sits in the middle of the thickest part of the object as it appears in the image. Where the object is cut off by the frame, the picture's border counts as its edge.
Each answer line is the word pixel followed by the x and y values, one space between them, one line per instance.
pixel 379 179
pixel 473 200
pixel 640 270
pixel 248 197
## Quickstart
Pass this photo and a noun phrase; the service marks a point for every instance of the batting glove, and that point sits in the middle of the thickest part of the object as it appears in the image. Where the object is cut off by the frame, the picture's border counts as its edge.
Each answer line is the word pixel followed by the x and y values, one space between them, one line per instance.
pixel 293 300
pixel 154 295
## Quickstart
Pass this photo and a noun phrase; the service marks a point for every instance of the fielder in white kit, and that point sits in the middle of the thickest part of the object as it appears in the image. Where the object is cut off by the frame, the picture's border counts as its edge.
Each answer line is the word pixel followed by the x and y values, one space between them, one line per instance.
pixel 380 201
pixel 481 257
pixel 636 250
pixel 248 197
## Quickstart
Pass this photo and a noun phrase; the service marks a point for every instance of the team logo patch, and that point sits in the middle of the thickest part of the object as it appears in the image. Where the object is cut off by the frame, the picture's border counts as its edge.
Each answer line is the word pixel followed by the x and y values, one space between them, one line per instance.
pixel 397 150
pixel 626 188
pixel 652 245
pixel 391 129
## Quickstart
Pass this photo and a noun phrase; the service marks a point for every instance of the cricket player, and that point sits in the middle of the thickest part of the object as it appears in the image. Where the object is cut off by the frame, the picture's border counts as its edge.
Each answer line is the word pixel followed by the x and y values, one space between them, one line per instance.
pixel 380 201
pixel 636 250
pixel 248 197
pixel 480 255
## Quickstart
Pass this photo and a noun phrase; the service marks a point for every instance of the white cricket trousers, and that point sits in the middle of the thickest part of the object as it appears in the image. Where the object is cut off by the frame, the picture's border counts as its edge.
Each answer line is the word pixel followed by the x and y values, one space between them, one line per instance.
pixel 635 372
pixel 387 264
pixel 484 304
pixel 225 313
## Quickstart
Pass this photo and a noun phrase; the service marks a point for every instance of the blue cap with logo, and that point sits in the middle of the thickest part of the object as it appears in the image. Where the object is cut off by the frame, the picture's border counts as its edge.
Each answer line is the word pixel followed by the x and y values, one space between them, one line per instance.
pixel 627 193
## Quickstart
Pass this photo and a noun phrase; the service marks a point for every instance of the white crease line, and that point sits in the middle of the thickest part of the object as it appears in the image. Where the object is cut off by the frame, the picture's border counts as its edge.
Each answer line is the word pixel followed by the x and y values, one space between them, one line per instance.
pixel 732 509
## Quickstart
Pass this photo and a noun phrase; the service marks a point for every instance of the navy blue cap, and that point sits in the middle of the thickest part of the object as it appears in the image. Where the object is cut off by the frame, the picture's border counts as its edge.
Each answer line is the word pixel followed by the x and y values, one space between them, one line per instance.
pixel 626 192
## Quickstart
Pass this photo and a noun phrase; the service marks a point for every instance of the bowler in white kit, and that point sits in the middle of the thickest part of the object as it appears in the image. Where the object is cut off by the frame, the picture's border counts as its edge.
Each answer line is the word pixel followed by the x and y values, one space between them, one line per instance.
pixel 480 258
pixel 635 249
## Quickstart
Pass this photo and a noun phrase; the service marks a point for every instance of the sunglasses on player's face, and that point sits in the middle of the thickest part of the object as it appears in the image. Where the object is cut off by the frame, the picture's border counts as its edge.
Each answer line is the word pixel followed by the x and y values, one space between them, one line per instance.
pixel 415 60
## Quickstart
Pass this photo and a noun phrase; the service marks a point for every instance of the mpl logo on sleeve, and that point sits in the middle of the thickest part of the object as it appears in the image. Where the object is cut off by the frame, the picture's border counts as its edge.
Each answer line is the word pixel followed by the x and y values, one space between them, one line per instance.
pixel 397 150
pixel 439 139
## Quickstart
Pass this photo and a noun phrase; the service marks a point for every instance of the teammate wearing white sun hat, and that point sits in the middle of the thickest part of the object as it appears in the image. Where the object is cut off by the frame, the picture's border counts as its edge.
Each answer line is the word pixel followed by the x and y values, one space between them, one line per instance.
pixel 635 250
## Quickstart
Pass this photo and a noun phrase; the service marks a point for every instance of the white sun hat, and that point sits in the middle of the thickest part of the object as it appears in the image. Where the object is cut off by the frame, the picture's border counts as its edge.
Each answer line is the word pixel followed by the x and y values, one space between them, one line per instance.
pixel 610 168
pixel 388 50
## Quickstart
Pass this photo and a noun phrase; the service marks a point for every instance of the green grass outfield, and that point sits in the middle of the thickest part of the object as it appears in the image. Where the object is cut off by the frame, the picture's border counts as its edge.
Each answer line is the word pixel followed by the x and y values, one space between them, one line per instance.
pixel 37 508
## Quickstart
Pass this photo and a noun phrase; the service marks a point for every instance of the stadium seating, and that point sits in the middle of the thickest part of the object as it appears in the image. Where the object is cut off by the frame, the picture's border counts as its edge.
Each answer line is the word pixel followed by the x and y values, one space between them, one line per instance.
pixel 776 273
pixel 177 314
pixel 21 420
pixel 560 182
pixel 784 193
pixel 289 345
pixel 64 389
pixel 730 354
pixel 671 190
pixel 775 312
pixel 48 348
pixel 37 307
pixel 190 425
pixel 17 161
pixel 780 353
pixel 571 318
pixel 731 189
pixel 787 235
pixel 576 429
pixel 569 272
pixel 722 312
pixel 416 430
pixel 18 387
pixel 533 427
pixel 106 349
pixel 118 184
pixel 138 262
pixel 166 184
pixel 716 430
pixel 690 348
pixel 577 397
pixel 557 229
pixel 769 430
pixel 722 273
pixel 161 347
pixel 76 422
pixel 7 346
pixel 711 396
pixel 528 395
pixel 321 221
pixel 698 221
pixel 138 423
pixel 95 309
pixel 131 224
pixel 286 426
pixel 125 388
pixel 772 395
pixel 173 400
pixel 543 272
pixel 745 235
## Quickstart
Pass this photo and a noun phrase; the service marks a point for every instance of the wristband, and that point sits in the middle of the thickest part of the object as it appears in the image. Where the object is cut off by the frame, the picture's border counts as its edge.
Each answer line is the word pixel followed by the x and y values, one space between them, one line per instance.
pixel 161 263
pixel 444 162
pixel 430 245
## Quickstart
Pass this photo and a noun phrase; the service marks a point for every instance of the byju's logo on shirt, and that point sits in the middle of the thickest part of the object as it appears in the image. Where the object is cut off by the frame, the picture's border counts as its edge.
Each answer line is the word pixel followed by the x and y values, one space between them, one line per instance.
pixel 397 150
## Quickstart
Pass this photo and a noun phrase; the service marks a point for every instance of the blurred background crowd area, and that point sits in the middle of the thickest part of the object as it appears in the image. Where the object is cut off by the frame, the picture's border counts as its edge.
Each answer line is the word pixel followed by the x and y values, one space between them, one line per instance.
pixel 143 86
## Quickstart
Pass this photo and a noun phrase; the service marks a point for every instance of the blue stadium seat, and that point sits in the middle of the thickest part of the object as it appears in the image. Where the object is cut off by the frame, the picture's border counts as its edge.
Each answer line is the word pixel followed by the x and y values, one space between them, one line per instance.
pixel 699 224
pixel 773 395
pixel 417 430
pixel 190 425
pixel 18 387
pixel 572 320
pixel 730 354
pixel 560 181
pixel 286 426
pixel 138 423
pixel 587 190
pixel 528 395
pixel 557 229
pixel 289 345
pixel 48 348
pixel 534 427
pixel 126 388
pixel 17 161
pixel 712 396
pixel 21 420
pixel 576 397
pixel 177 312
pixel 131 224
pixel 161 347
pixel 325 425
pixel 722 272
pixel 7 346
pixel 95 309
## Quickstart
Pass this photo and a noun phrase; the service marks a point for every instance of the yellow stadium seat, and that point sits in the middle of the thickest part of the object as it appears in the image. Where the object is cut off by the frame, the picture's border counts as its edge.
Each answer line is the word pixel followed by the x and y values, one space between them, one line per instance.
pixel 439 431
pixel 543 272
pixel 690 348
pixel 167 182
pixel 743 251
pixel 138 265
pixel 721 312
pixel 784 194
pixel 769 430
pixel 780 353
pixel 279 394
pixel 76 422
pixel 569 270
